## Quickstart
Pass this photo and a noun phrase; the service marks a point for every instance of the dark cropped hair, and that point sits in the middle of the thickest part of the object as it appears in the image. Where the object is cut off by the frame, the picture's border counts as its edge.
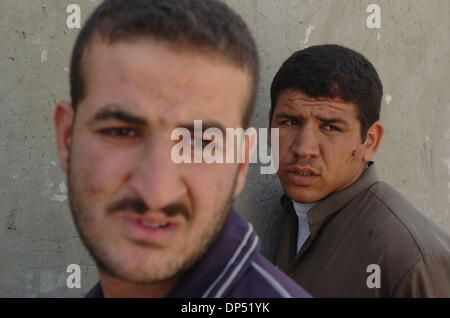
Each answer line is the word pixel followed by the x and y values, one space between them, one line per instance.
pixel 332 71
pixel 205 25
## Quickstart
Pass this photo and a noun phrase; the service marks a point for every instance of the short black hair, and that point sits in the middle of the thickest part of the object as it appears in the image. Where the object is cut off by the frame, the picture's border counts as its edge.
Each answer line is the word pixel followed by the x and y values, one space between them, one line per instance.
pixel 203 25
pixel 332 71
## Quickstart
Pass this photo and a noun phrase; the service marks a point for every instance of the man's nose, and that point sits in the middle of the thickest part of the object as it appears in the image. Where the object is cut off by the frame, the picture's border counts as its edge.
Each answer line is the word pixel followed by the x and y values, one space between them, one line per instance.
pixel 156 178
pixel 306 142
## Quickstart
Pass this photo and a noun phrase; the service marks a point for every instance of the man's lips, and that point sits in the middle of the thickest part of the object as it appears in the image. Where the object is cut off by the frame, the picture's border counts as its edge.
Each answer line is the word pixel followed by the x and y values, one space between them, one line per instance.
pixel 155 227
pixel 302 176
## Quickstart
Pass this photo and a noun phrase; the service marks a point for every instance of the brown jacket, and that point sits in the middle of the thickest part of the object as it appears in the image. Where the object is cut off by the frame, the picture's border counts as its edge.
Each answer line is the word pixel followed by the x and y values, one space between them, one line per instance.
pixel 367 223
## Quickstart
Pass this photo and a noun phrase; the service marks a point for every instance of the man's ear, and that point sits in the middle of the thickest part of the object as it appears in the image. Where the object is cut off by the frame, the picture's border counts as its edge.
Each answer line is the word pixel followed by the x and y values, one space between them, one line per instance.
pixel 249 145
pixel 63 121
pixel 373 140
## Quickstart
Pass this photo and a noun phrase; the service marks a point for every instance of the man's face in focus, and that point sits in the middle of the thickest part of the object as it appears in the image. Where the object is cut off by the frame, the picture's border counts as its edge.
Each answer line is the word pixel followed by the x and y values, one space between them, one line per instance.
pixel 144 218
pixel 320 147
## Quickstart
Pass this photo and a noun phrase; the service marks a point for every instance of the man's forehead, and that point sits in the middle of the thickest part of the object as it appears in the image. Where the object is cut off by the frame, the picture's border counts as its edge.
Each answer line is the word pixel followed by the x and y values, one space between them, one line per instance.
pixel 100 48
pixel 297 101
pixel 181 97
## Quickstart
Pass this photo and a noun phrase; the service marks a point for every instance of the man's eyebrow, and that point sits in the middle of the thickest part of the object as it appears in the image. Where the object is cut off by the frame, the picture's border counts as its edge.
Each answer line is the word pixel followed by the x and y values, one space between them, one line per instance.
pixel 321 118
pixel 113 112
pixel 205 125
pixel 287 116
pixel 332 120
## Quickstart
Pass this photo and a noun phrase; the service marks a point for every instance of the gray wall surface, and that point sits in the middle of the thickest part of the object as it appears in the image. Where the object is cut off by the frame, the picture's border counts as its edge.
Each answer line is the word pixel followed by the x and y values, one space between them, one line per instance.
pixel 411 52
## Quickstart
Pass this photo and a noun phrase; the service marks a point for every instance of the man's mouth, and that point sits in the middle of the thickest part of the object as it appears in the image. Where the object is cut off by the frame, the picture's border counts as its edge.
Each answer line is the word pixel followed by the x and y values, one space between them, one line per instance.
pixel 154 227
pixel 306 171
pixel 302 176
pixel 303 173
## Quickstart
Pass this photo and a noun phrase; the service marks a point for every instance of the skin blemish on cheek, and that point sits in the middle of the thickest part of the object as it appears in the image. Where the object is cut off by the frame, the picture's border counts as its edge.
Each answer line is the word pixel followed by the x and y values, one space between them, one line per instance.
pixel 351 155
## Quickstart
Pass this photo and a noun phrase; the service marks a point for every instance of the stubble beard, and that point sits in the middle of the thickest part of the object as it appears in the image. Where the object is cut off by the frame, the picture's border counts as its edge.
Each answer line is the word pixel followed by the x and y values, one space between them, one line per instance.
pixel 108 264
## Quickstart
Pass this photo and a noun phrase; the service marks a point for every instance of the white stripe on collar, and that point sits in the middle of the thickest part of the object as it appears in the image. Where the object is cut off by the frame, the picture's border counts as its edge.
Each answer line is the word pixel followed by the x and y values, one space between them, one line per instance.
pixel 237 268
pixel 230 262
pixel 272 281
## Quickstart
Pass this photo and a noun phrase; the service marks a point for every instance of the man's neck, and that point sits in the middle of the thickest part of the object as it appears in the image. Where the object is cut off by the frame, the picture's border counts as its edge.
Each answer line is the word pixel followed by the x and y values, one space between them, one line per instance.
pixel 113 287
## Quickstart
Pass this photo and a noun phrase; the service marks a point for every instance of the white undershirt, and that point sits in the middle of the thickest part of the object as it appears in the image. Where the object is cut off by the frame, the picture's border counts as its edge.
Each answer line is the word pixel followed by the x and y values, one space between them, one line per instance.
pixel 301 209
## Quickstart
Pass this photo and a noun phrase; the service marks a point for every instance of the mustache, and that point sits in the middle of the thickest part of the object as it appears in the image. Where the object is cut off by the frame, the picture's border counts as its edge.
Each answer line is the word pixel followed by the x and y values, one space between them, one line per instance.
pixel 139 206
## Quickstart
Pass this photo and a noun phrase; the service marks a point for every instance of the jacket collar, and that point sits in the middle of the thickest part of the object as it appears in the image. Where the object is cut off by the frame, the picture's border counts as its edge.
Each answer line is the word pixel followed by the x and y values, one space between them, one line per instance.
pixel 232 252
pixel 319 214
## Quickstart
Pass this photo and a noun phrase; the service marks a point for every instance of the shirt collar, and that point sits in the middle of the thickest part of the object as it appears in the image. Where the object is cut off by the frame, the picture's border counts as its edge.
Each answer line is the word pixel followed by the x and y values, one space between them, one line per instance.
pixel 321 212
pixel 301 209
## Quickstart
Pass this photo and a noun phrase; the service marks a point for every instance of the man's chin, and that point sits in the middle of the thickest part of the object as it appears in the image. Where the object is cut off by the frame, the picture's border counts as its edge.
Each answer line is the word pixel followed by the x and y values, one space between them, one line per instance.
pixel 141 273
pixel 303 195
pixel 143 264
pixel 139 276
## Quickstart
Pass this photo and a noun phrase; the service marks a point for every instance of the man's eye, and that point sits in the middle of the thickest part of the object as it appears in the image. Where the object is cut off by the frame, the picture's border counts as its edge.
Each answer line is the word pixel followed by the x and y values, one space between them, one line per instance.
pixel 122 132
pixel 291 122
pixel 330 128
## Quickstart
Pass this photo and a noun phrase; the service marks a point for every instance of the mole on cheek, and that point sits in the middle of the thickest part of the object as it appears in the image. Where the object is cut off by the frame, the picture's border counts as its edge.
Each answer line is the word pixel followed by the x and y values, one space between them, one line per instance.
pixel 352 155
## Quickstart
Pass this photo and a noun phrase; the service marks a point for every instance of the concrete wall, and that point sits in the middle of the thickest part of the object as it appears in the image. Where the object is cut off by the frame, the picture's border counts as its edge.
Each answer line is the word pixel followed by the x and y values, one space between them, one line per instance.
pixel 411 52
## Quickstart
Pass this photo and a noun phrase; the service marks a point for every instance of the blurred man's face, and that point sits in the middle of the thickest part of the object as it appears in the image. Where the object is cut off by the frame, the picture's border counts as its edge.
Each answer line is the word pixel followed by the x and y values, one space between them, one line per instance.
pixel 144 218
pixel 320 145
